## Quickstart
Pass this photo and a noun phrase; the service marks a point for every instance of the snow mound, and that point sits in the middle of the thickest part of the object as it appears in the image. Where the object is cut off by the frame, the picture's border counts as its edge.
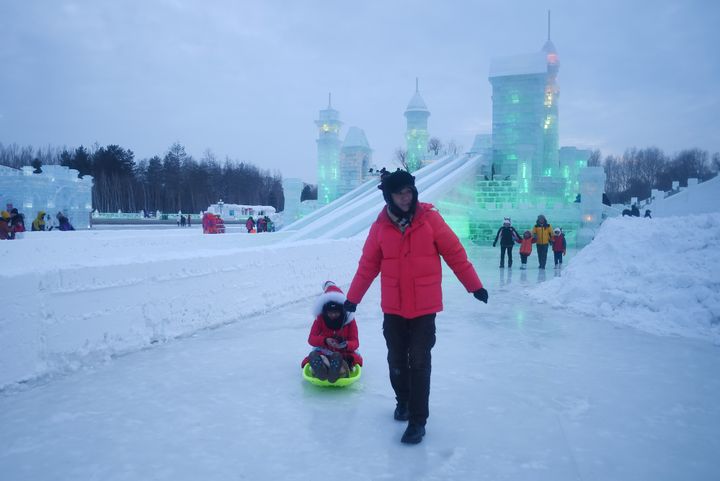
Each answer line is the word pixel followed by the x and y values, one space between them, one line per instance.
pixel 658 275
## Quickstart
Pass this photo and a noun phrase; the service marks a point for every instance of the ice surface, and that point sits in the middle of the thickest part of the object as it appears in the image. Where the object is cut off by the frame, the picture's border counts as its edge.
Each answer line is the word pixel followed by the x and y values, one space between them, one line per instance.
pixel 520 392
pixel 533 386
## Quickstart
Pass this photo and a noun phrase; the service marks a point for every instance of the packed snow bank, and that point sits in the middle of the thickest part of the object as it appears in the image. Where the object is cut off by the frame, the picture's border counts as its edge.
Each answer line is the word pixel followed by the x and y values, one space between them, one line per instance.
pixel 658 275
pixel 109 293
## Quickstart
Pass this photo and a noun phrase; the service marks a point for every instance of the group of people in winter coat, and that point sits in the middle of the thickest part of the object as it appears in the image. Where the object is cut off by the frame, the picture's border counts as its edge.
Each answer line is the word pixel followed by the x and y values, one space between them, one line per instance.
pixel 542 235
pixel 263 224
pixel 13 223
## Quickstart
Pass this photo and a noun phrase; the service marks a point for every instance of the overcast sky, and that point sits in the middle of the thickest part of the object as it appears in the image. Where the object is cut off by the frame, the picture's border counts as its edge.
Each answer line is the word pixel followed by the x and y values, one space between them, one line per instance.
pixel 246 79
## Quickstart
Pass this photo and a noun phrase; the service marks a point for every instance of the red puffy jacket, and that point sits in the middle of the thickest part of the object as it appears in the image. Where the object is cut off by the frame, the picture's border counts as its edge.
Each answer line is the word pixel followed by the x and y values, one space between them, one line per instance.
pixel 349 331
pixel 409 264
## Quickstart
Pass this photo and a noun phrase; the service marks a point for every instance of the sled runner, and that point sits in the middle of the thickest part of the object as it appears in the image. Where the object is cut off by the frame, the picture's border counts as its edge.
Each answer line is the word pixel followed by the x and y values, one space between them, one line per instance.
pixel 341 382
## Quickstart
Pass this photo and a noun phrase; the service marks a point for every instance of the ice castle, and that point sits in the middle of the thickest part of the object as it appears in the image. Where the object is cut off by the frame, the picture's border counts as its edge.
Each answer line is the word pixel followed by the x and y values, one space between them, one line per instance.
pixel 56 189
pixel 520 171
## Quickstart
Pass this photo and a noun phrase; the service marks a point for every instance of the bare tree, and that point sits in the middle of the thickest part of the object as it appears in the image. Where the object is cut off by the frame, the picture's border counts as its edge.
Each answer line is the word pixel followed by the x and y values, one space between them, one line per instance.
pixel 401 156
pixel 434 146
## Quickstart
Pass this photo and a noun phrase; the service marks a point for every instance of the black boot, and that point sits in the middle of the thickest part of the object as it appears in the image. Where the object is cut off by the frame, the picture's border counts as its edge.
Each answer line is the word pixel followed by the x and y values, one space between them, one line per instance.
pixel 413 434
pixel 401 412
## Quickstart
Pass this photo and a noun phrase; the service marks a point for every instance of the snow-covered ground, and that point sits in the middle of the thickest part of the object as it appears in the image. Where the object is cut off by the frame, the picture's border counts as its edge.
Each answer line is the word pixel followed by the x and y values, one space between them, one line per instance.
pixel 535 385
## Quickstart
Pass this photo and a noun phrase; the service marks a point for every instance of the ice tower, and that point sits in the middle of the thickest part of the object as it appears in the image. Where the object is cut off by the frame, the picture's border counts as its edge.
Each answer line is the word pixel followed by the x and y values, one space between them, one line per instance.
pixel 529 173
pixel 328 144
pixel 416 135
pixel 355 159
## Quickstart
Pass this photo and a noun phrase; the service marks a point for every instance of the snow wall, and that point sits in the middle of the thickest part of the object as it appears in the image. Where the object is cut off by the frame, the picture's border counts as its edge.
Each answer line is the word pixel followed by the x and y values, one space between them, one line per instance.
pixel 658 275
pixel 59 319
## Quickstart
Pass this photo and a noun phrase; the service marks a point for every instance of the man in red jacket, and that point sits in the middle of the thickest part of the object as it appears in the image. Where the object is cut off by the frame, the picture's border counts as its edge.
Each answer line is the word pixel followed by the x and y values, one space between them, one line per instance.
pixel 404 246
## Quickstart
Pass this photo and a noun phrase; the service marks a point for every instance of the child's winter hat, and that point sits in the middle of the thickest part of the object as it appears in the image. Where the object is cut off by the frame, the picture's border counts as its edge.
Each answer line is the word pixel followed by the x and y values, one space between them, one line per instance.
pixel 527 234
pixel 557 230
pixel 506 221
pixel 331 293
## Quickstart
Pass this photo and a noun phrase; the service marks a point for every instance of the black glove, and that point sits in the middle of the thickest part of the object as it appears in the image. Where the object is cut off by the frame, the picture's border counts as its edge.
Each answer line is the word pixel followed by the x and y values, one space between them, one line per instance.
pixel 349 306
pixel 494 244
pixel 481 295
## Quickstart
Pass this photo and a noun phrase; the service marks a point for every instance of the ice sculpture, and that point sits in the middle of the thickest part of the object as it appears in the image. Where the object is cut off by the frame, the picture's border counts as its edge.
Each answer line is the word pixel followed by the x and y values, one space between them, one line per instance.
pixel 355 160
pixel 416 134
pixel 328 144
pixel 56 189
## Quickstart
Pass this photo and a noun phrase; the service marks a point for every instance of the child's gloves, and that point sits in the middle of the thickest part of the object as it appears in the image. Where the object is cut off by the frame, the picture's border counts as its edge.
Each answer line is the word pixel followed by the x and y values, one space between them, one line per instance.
pixel 481 295
pixel 349 306
pixel 335 343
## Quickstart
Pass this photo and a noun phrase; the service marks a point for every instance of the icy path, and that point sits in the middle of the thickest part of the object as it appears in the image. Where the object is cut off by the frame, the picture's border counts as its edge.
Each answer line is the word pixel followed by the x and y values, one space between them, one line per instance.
pixel 519 392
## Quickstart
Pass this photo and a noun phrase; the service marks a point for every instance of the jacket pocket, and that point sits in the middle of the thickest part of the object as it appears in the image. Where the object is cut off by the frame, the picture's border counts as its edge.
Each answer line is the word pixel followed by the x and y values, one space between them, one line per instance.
pixel 389 293
pixel 428 292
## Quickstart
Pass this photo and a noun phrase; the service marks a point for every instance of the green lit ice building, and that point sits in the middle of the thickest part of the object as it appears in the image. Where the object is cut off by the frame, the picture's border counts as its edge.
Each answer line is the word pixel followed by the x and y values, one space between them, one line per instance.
pixel 328 145
pixel 527 173
pixel 416 134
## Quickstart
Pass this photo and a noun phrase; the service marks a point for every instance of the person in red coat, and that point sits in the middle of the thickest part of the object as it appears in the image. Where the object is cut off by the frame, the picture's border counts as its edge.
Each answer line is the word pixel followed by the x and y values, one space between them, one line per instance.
pixel 559 247
pixel 334 336
pixel 404 246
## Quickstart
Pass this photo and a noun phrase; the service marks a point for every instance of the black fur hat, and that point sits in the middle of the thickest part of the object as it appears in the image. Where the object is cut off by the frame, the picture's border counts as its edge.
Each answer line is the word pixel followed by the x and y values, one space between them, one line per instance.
pixel 392 183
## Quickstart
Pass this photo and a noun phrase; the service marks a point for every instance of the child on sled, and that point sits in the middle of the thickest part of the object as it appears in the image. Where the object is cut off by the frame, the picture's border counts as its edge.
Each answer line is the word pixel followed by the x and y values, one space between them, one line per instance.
pixel 334 336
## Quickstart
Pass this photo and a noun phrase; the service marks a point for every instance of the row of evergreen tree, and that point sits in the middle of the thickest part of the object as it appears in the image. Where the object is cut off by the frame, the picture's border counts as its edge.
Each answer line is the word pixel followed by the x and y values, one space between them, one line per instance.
pixel 175 182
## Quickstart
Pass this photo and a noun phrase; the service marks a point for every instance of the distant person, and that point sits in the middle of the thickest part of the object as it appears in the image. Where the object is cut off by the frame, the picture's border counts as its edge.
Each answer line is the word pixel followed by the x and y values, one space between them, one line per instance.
pixel 559 247
pixel 39 223
pixel 250 224
pixel 543 234
pixel 17 221
pixel 6 233
pixel 647 214
pixel 525 248
pixel 182 220
pixel 334 337
pixel 189 221
pixel 635 211
pixel 63 222
pixel 507 235
pixel 261 224
pixel 49 222
pixel 404 246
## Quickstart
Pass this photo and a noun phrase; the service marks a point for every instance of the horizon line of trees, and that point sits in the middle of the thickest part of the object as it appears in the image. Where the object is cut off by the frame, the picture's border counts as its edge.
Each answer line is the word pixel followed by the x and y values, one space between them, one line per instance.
pixel 175 182
pixel 637 171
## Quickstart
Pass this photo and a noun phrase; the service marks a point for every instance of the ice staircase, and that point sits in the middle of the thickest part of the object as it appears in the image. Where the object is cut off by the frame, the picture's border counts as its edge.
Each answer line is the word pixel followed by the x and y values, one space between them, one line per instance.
pixel 353 213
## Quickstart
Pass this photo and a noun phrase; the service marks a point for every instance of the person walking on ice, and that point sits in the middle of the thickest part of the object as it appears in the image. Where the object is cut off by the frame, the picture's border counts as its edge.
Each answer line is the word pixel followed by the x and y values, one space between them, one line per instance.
pixel 508 236
pixel 404 246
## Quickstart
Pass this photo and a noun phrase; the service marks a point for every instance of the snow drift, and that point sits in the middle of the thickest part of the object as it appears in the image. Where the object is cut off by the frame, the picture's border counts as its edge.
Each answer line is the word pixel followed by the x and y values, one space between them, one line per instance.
pixel 659 275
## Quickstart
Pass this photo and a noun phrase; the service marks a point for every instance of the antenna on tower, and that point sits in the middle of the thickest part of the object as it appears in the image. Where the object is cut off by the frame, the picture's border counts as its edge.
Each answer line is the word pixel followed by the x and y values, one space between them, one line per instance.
pixel 329 100
pixel 417 84
pixel 548 25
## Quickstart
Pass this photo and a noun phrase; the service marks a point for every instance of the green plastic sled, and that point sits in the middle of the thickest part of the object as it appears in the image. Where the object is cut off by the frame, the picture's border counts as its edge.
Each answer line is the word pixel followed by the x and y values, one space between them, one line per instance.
pixel 341 382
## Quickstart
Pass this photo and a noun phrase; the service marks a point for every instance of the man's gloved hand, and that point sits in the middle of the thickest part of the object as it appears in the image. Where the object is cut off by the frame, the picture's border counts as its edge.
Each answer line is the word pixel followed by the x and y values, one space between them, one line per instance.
pixel 481 295
pixel 349 306
pixel 494 243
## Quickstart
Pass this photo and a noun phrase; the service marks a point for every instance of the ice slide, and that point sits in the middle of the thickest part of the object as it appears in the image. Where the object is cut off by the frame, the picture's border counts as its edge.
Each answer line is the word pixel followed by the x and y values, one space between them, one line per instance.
pixel 353 213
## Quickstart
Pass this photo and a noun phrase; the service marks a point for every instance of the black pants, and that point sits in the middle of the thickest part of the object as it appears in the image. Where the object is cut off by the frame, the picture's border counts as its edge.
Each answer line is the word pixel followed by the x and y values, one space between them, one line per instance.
pixel 542 254
pixel 502 255
pixel 409 342
pixel 558 257
pixel 523 258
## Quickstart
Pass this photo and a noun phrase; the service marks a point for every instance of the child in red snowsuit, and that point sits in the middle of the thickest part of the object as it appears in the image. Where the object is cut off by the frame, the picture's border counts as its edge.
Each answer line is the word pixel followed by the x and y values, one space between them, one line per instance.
pixel 525 248
pixel 334 336
pixel 559 247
